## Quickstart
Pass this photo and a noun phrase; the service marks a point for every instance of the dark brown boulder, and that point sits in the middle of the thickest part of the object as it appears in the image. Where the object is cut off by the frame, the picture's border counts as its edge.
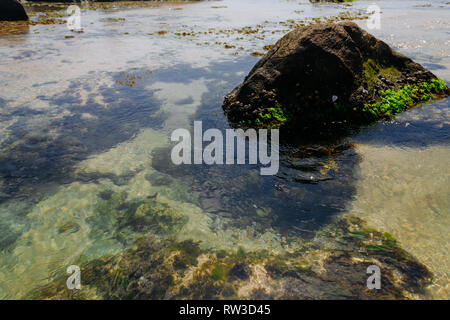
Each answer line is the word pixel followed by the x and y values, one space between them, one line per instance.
pixel 12 10
pixel 322 74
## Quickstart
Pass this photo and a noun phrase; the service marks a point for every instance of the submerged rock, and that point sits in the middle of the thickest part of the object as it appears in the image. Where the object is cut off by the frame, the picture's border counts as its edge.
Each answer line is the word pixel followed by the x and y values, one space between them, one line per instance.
pixel 12 10
pixel 126 220
pixel 332 266
pixel 326 74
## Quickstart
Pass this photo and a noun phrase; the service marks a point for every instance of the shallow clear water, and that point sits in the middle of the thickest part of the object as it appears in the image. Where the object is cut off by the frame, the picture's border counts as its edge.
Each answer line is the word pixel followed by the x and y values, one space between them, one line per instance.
pixel 82 115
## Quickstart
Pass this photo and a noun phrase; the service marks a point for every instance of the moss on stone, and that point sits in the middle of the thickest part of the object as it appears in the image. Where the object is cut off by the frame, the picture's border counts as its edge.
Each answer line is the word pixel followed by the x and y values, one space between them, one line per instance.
pixel 372 70
pixel 393 102
pixel 272 117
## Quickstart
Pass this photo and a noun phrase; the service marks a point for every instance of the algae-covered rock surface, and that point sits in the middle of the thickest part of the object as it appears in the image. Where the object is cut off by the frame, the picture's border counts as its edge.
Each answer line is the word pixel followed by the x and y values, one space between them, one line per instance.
pixel 333 265
pixel 325 74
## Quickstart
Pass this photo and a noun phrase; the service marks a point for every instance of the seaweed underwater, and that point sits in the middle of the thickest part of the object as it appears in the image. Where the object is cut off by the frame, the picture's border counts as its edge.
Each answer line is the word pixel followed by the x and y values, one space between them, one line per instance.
pixel 86 177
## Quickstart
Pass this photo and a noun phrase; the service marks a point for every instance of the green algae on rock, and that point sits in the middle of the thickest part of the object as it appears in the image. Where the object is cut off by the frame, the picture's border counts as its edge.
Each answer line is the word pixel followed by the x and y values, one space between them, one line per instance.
pixel 394 102
pixel 329 74
pixel 272 116
pixel 333 265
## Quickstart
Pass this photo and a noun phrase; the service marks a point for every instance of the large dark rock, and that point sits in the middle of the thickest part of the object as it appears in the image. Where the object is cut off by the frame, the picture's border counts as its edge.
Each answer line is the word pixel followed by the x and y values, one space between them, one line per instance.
pixel 12 10
pixel 322 74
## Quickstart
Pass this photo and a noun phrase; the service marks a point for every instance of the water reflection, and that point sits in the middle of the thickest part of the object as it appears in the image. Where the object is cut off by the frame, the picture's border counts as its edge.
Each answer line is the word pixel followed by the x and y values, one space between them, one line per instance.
pixel 43 146
pixel 84 119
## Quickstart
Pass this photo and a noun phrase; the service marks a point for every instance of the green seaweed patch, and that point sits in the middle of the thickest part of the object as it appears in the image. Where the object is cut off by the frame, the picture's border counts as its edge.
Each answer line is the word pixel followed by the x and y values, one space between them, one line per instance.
pixel 240 253
pixel 41 20
pixel 220 271
pixel 272 117
pixel 188 253
pixel 126 220
pixel 389 239
pixel 394 102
